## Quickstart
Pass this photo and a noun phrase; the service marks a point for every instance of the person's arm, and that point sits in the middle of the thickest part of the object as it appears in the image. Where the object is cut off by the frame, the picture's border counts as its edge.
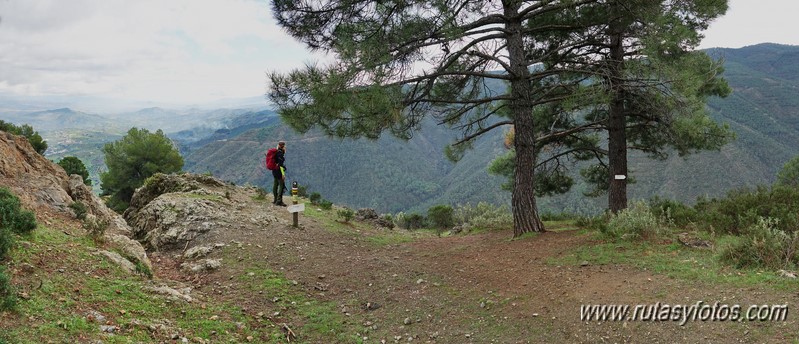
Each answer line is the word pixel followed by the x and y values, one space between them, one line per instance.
pixel 281 160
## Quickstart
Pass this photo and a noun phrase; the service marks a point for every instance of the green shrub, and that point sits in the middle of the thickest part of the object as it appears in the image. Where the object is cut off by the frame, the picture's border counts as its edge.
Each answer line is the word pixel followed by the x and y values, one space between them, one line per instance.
pixel 6 241
pixel 325 204
pixel 399 220
pixel 637 221
pixel 346 214
pixel 79 209
pixel 764 246
pixel 415 221
pixel 441 216
pixel 743 208
pixel 789 174
pixel 36 141
pixel 315 198
pixel 132 159
pixel 597 223
pixel 12 216
pixel 302 190
pixel 7 298
pixel 95 228
pixel 143 269
pixel 484 215
pixel 73 165
pixel 409 221
pixel 673 212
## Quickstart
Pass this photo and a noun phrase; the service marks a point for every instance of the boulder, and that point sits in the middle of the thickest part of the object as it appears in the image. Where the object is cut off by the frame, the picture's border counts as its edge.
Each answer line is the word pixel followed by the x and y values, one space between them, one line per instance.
pixel 172 220
pixel 117 259
pixel 197 252
pixel 202 265
pixel 171 212
pixel 383 222
pixel 365 214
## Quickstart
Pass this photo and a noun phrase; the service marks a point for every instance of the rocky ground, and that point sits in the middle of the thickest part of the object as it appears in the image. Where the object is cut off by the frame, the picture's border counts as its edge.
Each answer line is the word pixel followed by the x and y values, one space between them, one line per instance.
pixel 396 286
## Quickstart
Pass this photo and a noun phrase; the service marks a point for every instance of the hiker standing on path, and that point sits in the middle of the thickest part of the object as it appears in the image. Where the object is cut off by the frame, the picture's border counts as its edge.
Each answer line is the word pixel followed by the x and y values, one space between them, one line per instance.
pixel 275 159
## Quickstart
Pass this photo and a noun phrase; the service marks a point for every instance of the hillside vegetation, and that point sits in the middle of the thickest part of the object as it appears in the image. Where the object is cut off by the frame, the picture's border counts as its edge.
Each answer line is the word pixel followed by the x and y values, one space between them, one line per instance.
pixel 393 175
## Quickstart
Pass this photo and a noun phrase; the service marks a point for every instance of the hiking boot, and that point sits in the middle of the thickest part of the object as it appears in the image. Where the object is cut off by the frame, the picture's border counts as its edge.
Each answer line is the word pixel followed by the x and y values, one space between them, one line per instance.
pixel 280 203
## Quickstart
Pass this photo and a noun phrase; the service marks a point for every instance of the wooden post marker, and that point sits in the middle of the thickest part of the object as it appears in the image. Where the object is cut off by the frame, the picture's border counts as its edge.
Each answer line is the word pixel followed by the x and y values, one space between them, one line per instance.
pixel 295 208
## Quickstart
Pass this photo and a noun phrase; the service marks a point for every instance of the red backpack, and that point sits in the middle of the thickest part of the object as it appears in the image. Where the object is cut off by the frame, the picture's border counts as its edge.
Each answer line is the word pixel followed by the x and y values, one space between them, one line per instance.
pixel 270 159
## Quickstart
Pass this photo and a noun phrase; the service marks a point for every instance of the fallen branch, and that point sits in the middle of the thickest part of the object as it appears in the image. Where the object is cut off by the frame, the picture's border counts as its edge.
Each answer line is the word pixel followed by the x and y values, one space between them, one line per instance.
pixel 290 336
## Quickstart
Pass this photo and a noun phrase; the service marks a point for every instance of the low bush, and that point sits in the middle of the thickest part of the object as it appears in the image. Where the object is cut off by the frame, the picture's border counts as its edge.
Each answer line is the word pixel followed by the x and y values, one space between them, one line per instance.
pixel 302 190
pixel 484 215
pixel 315 198
pixel 673 212
pixel 441 216
pixel 415 221
pixel 409 221
pixel 12 216
pixel 764 246
pixel 597 223
pixel 399 220
pixel 345 214
pixel 95 228
pixel 743 208
pixel 8 299
pixel 79 209
pixel 325 204
pixel 13 219
pixel 637 221
pixel 6 241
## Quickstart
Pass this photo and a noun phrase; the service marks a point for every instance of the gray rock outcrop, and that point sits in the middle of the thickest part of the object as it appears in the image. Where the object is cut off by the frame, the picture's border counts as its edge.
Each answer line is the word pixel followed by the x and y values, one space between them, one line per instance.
pixel 180 211
pixel 45 188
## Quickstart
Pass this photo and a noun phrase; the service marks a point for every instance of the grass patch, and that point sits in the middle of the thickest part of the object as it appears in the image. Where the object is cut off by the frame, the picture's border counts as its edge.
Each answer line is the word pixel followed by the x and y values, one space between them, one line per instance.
pixel 317 321
pixel 77 281
pixel 562 225
pixel 524 236
pixel 377 237
pixel 675 260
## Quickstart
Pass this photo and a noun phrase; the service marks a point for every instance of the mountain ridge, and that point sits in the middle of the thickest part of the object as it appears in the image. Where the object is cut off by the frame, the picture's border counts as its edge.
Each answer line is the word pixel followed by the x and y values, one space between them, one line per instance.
pixel 761 110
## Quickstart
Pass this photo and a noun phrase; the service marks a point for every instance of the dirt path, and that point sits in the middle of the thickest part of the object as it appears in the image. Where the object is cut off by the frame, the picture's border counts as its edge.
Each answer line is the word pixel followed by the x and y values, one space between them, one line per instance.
pixel 479 288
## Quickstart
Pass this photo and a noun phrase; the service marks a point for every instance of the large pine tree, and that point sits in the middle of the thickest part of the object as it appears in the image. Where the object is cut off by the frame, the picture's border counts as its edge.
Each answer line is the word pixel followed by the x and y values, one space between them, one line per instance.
pixel 470 64
pixel 644 87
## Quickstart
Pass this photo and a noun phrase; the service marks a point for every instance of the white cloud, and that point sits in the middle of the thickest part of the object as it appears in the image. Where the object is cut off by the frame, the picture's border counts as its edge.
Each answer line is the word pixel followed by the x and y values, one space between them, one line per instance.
pixel 193 51
pixel 749 22
pixel 175 50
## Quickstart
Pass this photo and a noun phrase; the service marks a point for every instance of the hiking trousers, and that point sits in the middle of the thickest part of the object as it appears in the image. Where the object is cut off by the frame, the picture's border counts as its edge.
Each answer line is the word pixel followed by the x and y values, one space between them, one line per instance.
pixel 278 187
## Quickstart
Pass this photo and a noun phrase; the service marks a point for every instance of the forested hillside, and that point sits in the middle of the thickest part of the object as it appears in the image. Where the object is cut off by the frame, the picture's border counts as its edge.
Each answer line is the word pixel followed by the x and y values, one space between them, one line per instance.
pixel 388 174
pixel 763 110
pixel 393 175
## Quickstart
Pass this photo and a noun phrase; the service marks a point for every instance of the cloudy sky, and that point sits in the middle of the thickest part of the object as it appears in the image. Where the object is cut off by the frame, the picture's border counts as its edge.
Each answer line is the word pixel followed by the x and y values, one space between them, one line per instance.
pixel 193 51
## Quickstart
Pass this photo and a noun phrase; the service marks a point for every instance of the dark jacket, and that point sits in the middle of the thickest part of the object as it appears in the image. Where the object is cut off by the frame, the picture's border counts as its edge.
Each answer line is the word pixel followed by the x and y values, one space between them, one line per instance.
pixel 280 160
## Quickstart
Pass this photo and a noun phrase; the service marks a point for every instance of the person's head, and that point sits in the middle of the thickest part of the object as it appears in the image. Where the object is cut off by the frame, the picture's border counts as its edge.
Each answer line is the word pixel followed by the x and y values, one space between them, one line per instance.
pixel 281 145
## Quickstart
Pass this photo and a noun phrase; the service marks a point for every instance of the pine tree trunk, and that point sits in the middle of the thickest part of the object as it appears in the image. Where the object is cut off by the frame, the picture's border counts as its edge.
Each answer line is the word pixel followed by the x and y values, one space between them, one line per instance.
pixel 617 156
pixel 525 212
pixel 617 135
